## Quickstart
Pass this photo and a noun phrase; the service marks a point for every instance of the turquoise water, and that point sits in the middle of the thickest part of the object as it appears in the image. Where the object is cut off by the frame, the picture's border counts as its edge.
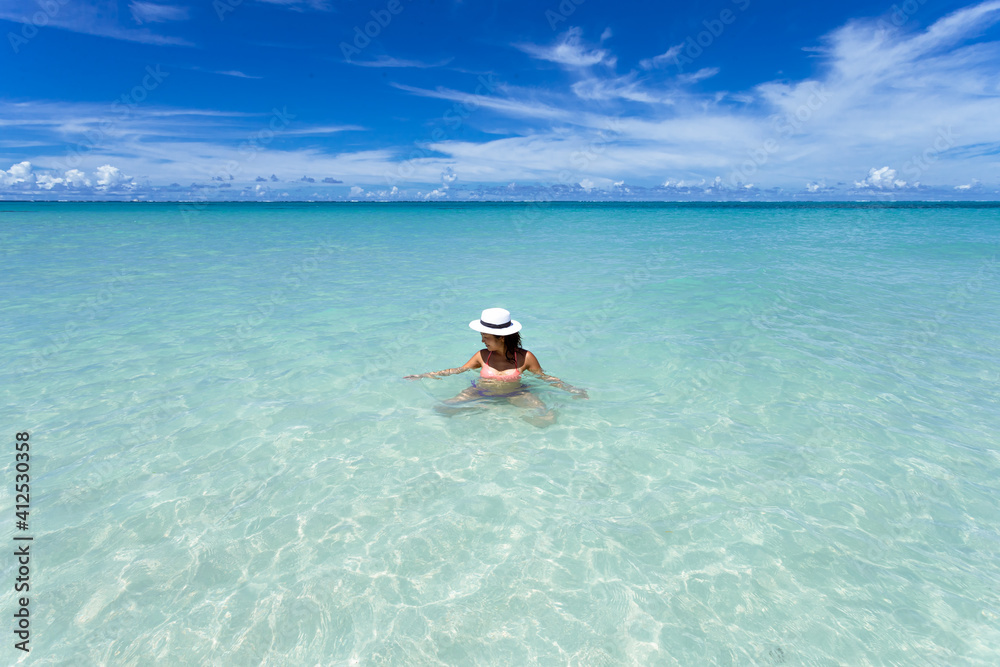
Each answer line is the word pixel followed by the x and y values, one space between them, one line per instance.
pixel 789 455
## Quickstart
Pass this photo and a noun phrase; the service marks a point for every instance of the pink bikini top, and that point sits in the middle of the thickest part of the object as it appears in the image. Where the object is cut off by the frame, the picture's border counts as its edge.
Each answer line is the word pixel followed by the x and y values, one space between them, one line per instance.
pixel 509 375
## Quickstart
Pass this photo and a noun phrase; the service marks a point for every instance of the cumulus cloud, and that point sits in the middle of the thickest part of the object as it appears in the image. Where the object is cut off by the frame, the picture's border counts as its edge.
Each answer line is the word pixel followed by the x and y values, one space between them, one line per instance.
pixel 881 179
pixel 47 181
pixel 22 176
pixel 330 179
pixel 356 191
pixel 109 177
pixel 19 174
pixel 307 179
pixel 76 178
pixel 878 96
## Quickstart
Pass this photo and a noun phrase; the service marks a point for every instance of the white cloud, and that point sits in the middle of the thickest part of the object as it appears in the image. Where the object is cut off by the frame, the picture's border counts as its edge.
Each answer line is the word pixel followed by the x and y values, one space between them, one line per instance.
pixel 881 179
pixel 150 12
pixel 319 130
pixel 18 174
pixel 46 181
pixel 389 61
pixel 624 87
pixel 887 106
pixel 664 59
pixel 76 178
pixel 299 5
pixel 109 178
pixel 94 18
pixel 236 73
pixel 22 176
pixel 568 51
pixel 505 105
pixel 356 191
pixel 694 77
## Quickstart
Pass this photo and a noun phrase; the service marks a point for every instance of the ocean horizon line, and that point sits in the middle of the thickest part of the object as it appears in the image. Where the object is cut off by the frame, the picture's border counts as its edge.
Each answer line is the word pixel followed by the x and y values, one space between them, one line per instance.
pixel 615 202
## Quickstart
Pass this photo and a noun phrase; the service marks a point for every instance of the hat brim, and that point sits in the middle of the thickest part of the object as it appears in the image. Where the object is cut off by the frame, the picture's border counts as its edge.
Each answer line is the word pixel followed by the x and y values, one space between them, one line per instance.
pixel 514 327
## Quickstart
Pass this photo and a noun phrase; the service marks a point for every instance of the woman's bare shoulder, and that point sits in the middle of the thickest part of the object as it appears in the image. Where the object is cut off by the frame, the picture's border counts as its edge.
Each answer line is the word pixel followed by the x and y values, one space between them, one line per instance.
pixel 475 361
pixel 531 361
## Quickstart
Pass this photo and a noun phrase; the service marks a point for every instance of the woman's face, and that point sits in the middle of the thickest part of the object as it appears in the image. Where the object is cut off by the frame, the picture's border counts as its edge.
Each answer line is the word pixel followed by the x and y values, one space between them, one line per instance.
pixel 492 343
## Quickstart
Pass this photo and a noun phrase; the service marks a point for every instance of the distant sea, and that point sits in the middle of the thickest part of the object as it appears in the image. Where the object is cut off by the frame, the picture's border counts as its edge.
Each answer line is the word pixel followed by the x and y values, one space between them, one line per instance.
pixel 790 453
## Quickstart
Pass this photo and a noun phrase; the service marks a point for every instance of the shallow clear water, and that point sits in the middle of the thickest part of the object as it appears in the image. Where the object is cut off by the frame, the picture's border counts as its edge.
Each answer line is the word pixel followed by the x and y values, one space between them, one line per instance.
pixel 789 455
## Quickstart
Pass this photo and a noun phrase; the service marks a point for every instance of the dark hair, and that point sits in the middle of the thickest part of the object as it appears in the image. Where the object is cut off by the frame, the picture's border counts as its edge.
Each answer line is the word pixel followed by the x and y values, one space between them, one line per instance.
pixel 511 343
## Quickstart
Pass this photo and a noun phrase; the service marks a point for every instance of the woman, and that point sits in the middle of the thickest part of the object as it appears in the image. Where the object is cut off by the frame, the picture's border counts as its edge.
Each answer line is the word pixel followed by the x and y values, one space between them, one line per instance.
pixel 502 363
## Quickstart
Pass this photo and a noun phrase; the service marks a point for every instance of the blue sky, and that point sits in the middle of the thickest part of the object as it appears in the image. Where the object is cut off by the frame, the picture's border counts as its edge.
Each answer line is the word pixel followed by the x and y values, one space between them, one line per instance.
pixel 454 100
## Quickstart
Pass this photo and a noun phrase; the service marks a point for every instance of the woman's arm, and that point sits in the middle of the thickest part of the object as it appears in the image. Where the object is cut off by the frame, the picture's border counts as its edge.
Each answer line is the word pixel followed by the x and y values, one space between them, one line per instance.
pixel 531 364
pixel 474 362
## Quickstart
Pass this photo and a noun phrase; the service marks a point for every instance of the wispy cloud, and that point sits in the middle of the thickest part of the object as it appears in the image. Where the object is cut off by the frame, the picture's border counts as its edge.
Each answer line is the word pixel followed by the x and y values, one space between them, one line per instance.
pixel 151 12
pixel 662 60
pixel 886 111
pixel 320 131
pixel 883 97
pixel 302 5
pixel 700 75
pixel 512 107
pixel 569 50
pixel 230 72
pixel 92 19
pixel 622 87
pixel 389 61
pixel 235 73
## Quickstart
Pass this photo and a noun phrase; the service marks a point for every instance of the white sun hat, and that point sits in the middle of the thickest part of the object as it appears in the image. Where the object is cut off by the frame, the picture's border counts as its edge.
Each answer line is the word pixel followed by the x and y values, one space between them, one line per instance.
pixel 495 321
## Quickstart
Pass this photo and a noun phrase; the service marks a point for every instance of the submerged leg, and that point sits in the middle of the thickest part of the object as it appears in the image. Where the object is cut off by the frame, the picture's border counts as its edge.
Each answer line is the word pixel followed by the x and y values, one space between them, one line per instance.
pixel 449 406
pixel 541 416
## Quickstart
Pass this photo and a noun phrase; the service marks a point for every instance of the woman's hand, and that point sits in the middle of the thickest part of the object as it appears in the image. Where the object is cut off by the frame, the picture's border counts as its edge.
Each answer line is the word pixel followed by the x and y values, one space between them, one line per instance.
pixel 579 393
